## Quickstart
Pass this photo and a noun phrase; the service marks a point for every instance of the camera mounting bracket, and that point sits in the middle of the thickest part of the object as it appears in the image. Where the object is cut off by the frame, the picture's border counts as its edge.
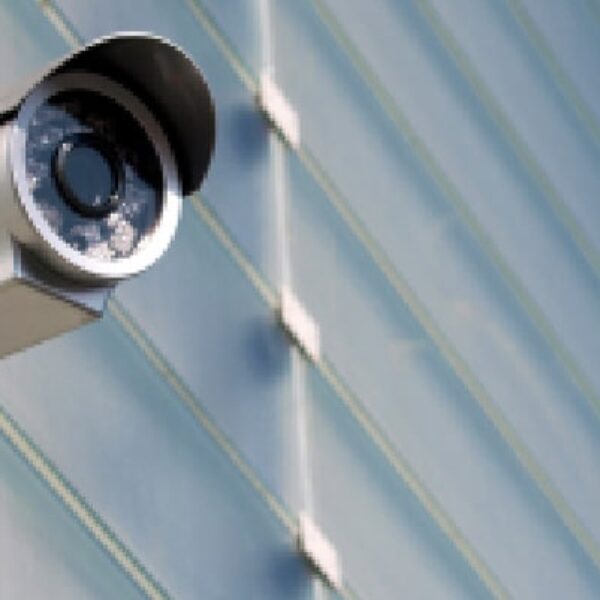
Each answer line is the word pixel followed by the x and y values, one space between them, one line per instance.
pixel 36 303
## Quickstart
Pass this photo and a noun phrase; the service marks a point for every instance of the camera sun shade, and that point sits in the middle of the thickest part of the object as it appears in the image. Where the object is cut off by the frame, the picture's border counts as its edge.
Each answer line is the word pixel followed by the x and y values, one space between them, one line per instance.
pixel 95 154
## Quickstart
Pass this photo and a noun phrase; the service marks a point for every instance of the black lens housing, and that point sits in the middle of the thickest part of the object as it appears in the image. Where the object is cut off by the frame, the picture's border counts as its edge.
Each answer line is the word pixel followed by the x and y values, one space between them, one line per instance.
pixel 106 150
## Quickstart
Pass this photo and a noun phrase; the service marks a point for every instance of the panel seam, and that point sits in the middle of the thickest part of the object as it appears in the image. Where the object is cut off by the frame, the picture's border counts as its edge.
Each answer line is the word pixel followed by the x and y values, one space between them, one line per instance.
pixel 520 148
pixel 560 507
pixel 557 73
pixel 80 509
pixel 374 434
pixel 507 275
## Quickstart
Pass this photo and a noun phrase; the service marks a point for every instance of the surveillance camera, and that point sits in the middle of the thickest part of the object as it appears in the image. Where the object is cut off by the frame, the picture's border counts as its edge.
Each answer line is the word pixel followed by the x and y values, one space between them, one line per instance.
pixel 95 156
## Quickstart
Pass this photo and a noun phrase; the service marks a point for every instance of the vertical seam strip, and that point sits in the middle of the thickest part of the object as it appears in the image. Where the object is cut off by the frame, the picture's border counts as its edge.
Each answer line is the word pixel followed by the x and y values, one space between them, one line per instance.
pixel 476 390
pixel 372 430
pixel 162 366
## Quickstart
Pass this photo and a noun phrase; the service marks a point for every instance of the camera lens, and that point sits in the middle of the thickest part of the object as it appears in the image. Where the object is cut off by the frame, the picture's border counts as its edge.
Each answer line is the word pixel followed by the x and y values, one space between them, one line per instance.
pixel 93 173
pixel 88 174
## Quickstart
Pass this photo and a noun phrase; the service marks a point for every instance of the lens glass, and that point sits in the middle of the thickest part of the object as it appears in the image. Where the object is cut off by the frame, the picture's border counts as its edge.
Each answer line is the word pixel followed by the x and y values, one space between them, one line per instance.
pixel 88 174
pixel 94 174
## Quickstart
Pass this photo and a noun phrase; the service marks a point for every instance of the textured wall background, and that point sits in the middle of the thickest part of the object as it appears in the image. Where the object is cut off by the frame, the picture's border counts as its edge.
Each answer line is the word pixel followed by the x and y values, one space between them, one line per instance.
pixel 440 221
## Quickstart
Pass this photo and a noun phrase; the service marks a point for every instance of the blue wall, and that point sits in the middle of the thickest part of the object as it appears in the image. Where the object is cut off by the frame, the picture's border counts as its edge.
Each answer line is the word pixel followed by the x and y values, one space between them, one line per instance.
pixel 440 220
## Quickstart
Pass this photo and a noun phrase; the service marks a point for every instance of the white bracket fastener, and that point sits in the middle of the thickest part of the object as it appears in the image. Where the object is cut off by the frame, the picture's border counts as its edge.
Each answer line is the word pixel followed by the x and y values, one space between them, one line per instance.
pixel 278 110
pixel 299 324
pixel 319 551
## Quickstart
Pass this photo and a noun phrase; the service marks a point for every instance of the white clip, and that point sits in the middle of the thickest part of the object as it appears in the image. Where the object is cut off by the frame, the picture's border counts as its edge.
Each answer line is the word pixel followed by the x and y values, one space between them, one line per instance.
pixel 299 324
pixel 319 551
pixel 278 110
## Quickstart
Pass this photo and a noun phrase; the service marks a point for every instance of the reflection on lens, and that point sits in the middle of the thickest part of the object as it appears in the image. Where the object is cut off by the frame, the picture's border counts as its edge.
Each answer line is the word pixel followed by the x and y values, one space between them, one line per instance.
pixel 93 174
pixel 88 174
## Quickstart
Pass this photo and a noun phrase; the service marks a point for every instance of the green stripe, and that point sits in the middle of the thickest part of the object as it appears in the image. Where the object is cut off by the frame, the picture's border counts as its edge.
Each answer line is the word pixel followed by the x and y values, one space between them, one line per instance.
pixel 443 345
pixel 563 82
pixel 80 509
pixel 460 205
pixel 357 409
pixel 509 132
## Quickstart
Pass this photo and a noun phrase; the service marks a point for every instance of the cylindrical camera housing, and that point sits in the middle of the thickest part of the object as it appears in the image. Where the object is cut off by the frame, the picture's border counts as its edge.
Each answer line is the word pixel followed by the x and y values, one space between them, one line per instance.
pixel 96 152
pixel 89 179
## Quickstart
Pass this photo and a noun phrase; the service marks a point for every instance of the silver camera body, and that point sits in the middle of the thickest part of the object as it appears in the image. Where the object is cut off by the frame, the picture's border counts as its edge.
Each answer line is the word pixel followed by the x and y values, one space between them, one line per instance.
pixel 96 154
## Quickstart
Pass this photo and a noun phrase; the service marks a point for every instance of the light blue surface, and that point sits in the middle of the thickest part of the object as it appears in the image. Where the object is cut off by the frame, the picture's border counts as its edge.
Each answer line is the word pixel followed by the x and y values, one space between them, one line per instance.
pixel 371 517
pixel 120 434
pixel 221 337
pixel 97 409
pixel 240 22
pixel 439 259
pixel 523 90
pixel 512 212
pixel 421 406
pixel 570 28
pixel 43 551
pixel 28 42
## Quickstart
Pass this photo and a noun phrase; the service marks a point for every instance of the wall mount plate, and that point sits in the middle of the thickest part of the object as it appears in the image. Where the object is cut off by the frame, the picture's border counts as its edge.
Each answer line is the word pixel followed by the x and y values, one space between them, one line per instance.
pixel 299 324
pixel 319 551
pixel 278 110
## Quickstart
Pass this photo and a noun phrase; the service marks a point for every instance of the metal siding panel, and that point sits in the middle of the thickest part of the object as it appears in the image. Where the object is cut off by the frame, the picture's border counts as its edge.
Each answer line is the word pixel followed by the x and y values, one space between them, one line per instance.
pixel 132 448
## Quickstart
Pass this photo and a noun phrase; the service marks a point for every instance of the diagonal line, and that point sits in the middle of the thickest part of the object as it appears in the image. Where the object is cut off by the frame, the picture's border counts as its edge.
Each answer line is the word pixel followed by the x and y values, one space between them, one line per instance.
pixel 414 483
pixel 166 371
pixel 460 205
pixel 519 146
pixel 80 509
pixel 564 512
pixel 464 373
pixel 237 64
pixel 61 23
pixel 389 451
pixel 475 388
pixel 206 422
pixel 561 78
